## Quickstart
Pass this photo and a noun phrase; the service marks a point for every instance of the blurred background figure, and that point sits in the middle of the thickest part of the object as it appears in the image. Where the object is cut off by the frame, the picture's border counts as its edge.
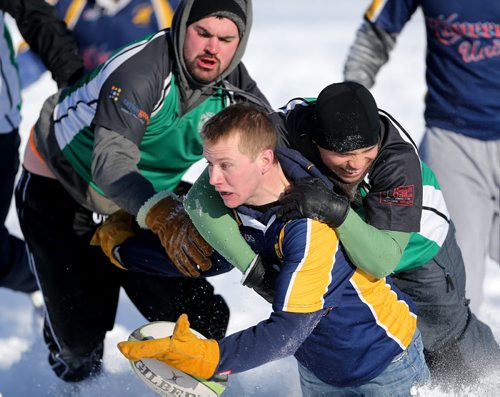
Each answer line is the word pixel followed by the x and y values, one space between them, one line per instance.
pixel 462 111
pixel 99 28
pixel 47 34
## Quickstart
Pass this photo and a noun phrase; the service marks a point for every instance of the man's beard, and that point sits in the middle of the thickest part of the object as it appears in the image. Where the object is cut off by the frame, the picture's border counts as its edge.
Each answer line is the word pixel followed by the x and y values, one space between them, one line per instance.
pixel 193 69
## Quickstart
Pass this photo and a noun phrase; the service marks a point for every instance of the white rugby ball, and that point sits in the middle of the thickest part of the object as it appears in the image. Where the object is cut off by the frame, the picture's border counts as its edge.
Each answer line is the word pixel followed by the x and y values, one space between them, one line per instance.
pixel 166 380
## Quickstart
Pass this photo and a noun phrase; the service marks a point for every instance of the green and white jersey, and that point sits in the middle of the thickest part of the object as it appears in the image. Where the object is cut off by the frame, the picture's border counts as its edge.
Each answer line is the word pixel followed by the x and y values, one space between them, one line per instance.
pixel 434 225
pixel 433 217
pixel 124 132
pixel 168 142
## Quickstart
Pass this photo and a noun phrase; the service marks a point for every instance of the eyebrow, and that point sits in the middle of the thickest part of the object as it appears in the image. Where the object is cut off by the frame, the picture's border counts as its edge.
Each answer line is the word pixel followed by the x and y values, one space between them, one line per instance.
pixel 201 29
pixel 220 159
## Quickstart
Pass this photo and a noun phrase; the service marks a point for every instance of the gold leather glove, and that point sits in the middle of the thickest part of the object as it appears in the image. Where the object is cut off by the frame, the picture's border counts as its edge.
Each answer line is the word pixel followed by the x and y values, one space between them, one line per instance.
pixel 114 231
pixel 183 350
pixel 185 247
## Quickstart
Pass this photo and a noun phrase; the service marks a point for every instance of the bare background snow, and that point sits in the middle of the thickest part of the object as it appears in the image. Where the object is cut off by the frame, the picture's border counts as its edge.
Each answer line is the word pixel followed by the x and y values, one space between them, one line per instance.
pixel 296 49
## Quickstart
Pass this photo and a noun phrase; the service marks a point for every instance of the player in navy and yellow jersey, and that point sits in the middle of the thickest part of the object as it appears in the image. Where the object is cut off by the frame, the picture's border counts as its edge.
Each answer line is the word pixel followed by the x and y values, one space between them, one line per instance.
pixel 349 331
pixel 389 212
pixel 100 27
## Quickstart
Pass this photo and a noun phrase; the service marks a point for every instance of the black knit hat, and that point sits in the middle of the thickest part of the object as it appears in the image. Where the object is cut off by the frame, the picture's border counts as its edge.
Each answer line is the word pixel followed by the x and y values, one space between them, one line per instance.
pixel 347 118
pixel 231 9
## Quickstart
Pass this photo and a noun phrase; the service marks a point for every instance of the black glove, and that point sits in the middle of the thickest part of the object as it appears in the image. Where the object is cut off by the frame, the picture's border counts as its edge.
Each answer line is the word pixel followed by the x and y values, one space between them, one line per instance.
pixel 310 198
pixel 260 278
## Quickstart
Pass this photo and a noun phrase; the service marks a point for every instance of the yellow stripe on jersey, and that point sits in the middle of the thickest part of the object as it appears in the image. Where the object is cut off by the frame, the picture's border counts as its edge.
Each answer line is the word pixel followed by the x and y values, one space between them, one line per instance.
pixel 391 314
pixel 73 13
pixel 375 9
pixel 312 276
pixel 164 13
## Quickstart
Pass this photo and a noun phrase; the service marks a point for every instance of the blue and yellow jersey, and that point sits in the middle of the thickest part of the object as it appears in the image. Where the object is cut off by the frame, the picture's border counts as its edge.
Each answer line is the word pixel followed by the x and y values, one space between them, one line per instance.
pixel 342 324
pixel 462 60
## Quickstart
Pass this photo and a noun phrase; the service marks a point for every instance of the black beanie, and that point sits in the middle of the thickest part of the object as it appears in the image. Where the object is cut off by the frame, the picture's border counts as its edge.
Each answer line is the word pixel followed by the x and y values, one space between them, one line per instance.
pixel 347 118
pixel 231 9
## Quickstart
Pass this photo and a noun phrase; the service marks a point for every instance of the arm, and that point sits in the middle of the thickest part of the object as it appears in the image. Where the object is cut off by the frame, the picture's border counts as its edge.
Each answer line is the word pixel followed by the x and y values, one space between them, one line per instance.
pixel 278 337
pixel 369 52
pixel 48 36
pixel 376 38
pixel 161 212
pixel 122 182
pixel 118 133
pixel 313 280
pixel 372 250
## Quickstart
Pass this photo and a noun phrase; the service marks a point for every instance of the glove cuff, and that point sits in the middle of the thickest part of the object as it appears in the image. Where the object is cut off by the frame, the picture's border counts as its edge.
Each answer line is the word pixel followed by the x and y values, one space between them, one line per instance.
pixel 255 262
pixel 150 203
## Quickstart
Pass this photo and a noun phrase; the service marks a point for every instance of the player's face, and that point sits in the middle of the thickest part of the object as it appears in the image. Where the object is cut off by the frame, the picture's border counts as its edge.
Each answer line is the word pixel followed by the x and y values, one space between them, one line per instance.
pixel 234 175
pixel 209 47
pixel 351 166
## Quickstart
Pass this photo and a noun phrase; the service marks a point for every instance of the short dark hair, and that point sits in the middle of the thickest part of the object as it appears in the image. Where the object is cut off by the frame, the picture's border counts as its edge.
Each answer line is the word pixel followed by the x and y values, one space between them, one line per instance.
pixel 256 131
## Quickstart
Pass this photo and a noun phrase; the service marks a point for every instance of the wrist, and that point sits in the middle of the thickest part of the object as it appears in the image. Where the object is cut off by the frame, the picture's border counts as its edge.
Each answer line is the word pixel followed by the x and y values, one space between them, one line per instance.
pixel 248 275
pixel 150 203
pixel 339 207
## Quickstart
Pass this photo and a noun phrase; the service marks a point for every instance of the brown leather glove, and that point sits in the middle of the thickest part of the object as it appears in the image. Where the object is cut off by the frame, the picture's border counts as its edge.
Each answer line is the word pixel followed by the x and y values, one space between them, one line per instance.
pixel 114 231
pixel 185 247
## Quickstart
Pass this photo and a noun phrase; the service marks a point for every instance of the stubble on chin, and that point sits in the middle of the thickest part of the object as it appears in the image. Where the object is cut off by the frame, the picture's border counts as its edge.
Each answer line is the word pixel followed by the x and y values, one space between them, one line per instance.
pixel 204 78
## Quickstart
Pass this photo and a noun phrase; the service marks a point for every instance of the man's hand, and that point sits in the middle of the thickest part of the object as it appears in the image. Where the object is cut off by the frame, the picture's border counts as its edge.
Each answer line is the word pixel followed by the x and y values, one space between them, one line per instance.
pixel 185 247
pixel 310 198
pixel 114 231
pixel 183 350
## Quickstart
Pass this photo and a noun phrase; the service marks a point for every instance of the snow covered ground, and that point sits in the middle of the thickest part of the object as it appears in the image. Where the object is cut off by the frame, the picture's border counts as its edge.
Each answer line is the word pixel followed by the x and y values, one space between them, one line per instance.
pixel 296 49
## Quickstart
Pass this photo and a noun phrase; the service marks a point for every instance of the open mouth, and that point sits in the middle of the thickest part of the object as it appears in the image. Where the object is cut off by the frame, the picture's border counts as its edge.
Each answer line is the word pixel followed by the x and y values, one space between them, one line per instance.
pixel 352 172
pixel 207 62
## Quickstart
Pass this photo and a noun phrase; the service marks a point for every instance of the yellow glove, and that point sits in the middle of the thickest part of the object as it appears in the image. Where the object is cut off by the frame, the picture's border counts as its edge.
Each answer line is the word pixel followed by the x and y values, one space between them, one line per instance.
pixel 185 247
pixel 183 350
pixel 114 231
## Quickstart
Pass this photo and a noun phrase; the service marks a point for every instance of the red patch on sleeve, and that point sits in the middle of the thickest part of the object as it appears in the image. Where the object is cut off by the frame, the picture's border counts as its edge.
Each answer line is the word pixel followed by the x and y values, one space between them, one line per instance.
pixel 401 195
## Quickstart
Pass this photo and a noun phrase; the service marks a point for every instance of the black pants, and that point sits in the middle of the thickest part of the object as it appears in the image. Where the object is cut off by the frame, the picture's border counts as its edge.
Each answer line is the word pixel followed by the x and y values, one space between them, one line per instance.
pixel 81 287
pixel 458 347
pixel 14 268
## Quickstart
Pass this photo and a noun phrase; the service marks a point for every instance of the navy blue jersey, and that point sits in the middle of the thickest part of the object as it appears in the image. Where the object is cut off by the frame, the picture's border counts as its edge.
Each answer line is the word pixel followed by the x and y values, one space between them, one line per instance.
pixel 463 60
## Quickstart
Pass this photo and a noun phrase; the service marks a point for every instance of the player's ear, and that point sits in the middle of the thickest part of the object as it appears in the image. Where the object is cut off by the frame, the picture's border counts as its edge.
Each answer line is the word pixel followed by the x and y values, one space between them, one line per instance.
pixel 266 158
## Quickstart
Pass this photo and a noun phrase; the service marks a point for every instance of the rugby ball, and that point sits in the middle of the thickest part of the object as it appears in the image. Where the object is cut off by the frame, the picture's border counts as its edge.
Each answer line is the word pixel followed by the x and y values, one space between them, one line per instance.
pixel 168 381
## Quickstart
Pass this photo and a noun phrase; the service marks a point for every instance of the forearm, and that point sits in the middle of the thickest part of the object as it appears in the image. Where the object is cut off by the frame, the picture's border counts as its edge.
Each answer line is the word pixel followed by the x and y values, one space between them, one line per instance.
pixel 278 337
pixel 114 170
pixel 369 52
pixel 49 37
pixel 373 250
pixel 216 224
